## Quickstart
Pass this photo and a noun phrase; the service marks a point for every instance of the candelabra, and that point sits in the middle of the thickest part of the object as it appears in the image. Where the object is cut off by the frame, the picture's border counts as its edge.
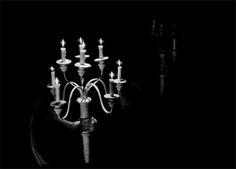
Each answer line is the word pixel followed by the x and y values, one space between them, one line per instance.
pixel 85 121
pixel 160 36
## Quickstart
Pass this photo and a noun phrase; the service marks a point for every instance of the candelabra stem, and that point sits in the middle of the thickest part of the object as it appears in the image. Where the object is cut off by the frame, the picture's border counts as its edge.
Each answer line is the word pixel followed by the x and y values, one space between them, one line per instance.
pixel 85 137
pixel 87 125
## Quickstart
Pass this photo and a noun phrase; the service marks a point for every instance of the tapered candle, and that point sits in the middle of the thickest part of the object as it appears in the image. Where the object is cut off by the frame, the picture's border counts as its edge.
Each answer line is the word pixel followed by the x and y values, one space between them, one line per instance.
pixel 111 84
pixel 63 50
pixel 57 87
pixel 82 52
pixel 82 56
pixel 174 44
pixel 119 70
pixel 52 76
pixel 100 48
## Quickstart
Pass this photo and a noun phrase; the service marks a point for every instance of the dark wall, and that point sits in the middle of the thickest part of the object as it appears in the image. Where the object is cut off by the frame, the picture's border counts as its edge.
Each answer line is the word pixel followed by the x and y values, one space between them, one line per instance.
pixel 198 111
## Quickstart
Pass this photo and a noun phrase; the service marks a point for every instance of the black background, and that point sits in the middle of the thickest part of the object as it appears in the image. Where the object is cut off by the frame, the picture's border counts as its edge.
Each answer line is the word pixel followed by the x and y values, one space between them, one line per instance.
pixel 199 112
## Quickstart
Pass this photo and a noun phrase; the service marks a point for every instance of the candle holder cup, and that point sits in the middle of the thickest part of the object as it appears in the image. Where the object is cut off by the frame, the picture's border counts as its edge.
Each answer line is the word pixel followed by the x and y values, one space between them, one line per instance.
pixel 101 63
pixel 63 64
pixel 119 84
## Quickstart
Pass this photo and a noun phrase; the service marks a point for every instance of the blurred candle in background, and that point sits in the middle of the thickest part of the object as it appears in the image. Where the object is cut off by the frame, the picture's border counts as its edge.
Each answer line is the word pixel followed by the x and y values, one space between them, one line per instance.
pixel 174 44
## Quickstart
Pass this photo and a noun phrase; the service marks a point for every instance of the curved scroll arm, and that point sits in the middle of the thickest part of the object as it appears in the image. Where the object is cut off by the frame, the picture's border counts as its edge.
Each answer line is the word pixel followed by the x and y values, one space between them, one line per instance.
pixel 71 83
pixel 100 98
pixel 70 124
pixel 64 74
pixel 68 106
pixel 89 82
pixel 97 80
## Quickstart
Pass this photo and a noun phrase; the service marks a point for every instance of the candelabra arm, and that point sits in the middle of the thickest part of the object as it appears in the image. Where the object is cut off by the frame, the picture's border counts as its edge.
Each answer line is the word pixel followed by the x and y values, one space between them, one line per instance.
pixel 97 80
pixel 73 84
pixel 64 74
pixel 68 106
pixel 64 90
pixel 89 82
pixel 100 98
pixel 68 123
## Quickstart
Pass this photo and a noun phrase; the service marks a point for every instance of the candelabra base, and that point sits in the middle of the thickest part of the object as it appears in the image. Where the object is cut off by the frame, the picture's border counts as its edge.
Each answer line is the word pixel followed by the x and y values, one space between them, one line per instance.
pixel 85 137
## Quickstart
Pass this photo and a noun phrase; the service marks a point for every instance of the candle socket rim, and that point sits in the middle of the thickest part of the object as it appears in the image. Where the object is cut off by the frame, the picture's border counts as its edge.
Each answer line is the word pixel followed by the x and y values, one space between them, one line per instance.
pixel 63 62
pixel 101 59
pixel 119 81
pixel 109 96
pixel 57 104
pixel 78 56
pixel 85 65
pixel 81 100
pixel 50 86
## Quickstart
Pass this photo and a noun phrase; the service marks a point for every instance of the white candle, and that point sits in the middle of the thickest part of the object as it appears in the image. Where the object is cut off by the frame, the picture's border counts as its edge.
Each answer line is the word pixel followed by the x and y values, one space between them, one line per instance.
pixel 57 87
pixel 119 70
pixel 63 54
pixel 111 84
pixel 174 44
pixel 52 76
pixel 82 52
pixel 63 50
pixel 82 56
pixel 100 48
